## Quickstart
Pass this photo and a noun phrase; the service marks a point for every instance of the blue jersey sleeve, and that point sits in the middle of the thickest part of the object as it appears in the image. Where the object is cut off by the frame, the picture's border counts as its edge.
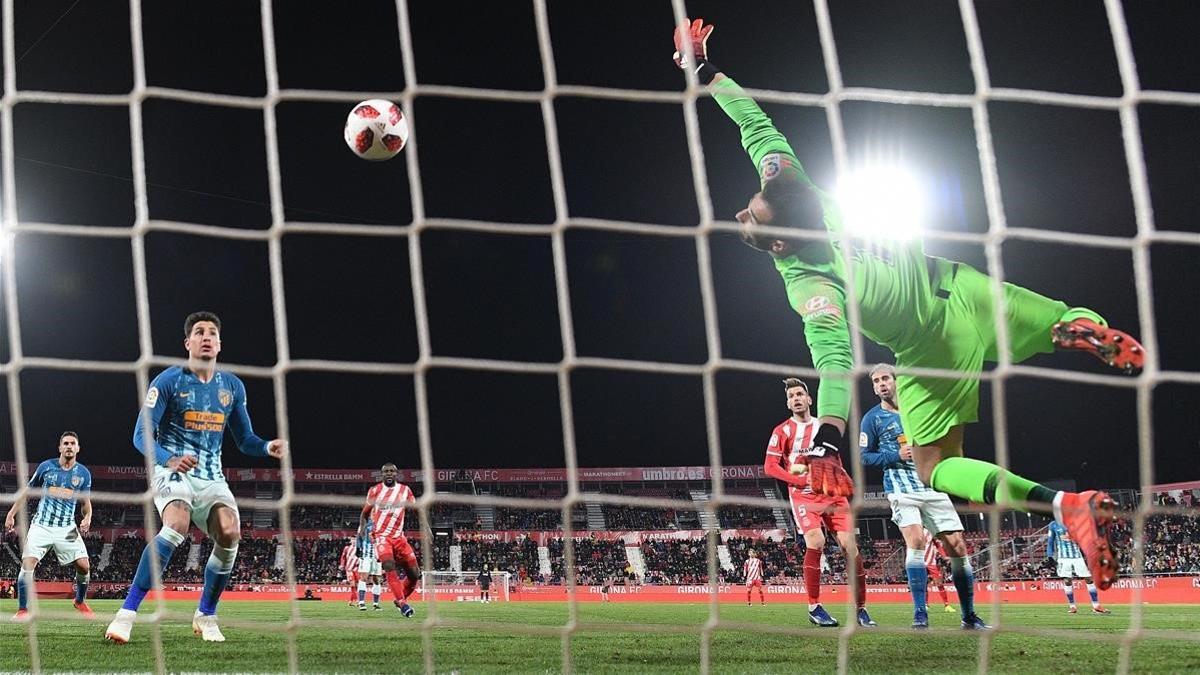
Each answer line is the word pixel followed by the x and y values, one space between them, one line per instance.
pixel 157 397
pixel 1050 541
pixel 240 426
pixel 86 486
pixel 38 476
pixel 872 454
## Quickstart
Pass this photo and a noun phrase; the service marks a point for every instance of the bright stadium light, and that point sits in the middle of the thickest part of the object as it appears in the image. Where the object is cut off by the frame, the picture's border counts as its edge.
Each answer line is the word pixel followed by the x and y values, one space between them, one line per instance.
pixel 884 201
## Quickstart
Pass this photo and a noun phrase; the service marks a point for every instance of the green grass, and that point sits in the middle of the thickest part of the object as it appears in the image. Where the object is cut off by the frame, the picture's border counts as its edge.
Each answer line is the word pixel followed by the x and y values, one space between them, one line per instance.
pixel 384 642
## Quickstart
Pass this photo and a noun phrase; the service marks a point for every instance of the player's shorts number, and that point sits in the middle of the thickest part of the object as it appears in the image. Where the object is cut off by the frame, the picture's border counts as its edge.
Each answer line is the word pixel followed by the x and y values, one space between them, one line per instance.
pixel 801 511
pixel 161 482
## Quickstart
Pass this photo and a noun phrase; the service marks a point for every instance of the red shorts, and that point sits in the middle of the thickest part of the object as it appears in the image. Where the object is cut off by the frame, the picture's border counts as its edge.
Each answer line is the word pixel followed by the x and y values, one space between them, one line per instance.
pixel 934 572
pixel 395 548
pixel 752 584
pixel 812 511
pixel 352 576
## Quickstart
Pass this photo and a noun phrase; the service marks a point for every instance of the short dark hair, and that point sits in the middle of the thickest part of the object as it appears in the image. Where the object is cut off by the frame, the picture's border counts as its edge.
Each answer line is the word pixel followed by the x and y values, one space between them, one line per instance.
pixel 196 317
pixel 794 204
pixel 68 433
pixel 790 382
pixel 389 464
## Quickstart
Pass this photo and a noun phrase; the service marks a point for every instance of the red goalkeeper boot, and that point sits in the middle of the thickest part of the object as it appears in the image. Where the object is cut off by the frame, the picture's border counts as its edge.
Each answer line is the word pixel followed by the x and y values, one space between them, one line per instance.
pixel 1088 516
pixel 1116 348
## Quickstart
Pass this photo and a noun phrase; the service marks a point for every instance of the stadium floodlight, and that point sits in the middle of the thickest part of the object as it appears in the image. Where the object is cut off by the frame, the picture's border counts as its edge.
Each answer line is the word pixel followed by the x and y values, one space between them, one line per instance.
pixel 884 201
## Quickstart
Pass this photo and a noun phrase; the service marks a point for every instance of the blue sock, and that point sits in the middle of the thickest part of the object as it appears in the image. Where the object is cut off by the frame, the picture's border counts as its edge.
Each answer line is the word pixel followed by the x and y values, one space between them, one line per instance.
pixel 1092 592
pixel 143 579
pixel 216 577
pixel 81 584
pixel 964 583
pixel 1070 596
pixel 918 577
pixel 362 592
pixel 23 577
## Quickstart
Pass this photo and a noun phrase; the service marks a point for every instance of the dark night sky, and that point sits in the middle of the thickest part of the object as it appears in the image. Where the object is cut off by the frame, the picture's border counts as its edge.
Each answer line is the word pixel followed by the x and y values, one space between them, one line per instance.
pixel 636 297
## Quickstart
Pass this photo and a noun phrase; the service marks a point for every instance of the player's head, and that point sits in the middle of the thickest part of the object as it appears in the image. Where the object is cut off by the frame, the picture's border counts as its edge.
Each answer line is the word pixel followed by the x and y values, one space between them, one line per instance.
pixel 752 553
pixel 202 336
pixel 798 400
pixel 68 445
pixel 389 472
pixel 883 381
pixel 783 202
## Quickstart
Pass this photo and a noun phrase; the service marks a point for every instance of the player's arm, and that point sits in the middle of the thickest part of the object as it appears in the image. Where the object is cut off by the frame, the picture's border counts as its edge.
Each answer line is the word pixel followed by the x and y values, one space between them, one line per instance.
pixel 868 445
pixel 1051 540
pixel 773 463
pixel 821 303
pixel 366 513
pixel 85 506
pixel 35 481
pixel 145 429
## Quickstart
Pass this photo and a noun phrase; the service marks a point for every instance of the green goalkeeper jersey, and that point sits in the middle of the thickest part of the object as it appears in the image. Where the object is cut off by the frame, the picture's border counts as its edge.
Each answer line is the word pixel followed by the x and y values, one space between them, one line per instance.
pixel 889 278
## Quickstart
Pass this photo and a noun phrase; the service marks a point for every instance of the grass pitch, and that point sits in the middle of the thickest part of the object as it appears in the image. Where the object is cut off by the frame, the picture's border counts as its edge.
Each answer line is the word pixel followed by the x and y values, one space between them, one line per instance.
pixel 616 637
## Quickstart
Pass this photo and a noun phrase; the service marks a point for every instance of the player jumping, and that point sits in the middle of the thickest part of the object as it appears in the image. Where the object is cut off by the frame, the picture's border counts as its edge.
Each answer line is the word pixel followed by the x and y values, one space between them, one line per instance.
pixel 752 572
pixel 53 526
pixel 914 505
pixel 930 312
pixel 385 506
pixel 791 440
pixel 348 563
pixel 1069 563
pixel 186 412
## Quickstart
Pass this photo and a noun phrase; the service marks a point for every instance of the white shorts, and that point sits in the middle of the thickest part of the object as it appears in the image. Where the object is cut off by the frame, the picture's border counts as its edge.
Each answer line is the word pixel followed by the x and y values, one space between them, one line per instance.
pixel 932 509
pixel 369 566
pixel 66 542
pixel 1073 567
pixel 201 495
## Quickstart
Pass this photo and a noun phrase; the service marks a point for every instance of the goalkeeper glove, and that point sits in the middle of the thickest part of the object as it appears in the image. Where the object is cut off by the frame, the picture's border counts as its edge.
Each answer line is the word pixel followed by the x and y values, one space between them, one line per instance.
pixel 826 475
pixel 697 34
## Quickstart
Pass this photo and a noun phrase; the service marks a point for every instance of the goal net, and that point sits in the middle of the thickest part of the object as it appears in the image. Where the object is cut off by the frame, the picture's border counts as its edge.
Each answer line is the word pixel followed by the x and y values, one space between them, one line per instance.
pixel 705 372
pixel 464 586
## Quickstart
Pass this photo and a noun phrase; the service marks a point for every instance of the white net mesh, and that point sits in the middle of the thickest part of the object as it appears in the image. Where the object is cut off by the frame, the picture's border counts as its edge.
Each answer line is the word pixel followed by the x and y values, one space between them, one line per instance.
pixel 998 232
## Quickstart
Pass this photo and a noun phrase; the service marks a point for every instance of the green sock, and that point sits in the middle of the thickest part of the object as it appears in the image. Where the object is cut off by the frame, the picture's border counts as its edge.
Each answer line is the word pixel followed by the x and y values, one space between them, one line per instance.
pixel 1082 313
pixel 987 483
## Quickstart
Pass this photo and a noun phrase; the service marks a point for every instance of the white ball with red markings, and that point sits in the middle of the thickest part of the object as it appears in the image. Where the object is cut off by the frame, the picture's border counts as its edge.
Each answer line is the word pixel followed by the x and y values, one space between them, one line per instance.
pixel 376 130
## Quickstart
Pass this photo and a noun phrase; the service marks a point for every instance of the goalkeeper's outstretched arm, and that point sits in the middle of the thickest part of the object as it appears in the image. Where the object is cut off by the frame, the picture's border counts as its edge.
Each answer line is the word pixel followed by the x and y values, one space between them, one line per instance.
pixel 788 199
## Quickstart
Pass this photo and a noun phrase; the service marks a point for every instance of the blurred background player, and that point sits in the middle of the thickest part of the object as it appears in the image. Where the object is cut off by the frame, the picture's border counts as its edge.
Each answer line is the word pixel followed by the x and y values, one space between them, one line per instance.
pixel 369 570
pixel 934 552
pixel 385 506
pixel 1069 562
pixel 752 571
pixel 915 506
pixel 930 312
pixel 785 461
pixel 182 426
pixel 484 582
pixel 348 563
pixel 604 588
pixel 66 481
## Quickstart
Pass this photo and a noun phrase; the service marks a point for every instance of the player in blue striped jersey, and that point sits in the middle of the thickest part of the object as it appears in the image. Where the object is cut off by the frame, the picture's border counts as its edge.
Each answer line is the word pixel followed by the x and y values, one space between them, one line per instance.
pixel 369 569
pixel 182 424
pixel 66 482
pixel 915 506
pixel 1070 564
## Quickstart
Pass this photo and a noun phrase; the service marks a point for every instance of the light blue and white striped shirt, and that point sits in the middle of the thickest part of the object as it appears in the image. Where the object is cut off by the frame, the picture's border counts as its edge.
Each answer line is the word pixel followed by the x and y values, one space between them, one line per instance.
pixel 879 441
pixel 1059 544
pixel 63 488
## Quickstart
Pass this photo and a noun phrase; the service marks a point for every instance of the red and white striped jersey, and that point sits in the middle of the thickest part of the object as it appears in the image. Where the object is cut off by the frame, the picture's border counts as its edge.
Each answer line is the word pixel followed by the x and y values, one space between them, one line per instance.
pixel 387 508
pixel 789 441
pixel 933 548
pixel 752 569
pixel 349 560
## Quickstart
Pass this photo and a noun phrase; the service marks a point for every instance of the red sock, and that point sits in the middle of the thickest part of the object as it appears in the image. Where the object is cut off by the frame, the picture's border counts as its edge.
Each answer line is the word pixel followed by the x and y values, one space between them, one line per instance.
pixel 410 585
pixel 397 586
pixel 812 575
pixel 942 592
pixel 861 596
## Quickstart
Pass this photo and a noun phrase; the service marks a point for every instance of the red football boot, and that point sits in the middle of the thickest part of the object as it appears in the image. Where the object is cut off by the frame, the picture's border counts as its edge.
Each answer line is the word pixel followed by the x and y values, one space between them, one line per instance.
pixel 1116 348
pixel 1088 516
pixel 84 609
pixel 22 616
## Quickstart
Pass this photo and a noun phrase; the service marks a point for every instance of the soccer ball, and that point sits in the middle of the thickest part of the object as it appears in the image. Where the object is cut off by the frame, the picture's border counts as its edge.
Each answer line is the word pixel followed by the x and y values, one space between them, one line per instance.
pixel 376 130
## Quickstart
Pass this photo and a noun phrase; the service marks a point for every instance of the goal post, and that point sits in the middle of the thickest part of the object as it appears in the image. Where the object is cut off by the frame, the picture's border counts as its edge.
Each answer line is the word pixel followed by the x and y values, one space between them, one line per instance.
pixel 463 586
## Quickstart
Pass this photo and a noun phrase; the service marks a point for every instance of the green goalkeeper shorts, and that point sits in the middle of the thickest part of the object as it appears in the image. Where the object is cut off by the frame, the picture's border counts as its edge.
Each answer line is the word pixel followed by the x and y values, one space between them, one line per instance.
pixel 960 335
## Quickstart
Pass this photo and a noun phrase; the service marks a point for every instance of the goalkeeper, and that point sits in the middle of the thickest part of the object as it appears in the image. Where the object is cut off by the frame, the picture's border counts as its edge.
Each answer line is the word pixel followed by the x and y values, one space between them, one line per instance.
pixel 931 312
